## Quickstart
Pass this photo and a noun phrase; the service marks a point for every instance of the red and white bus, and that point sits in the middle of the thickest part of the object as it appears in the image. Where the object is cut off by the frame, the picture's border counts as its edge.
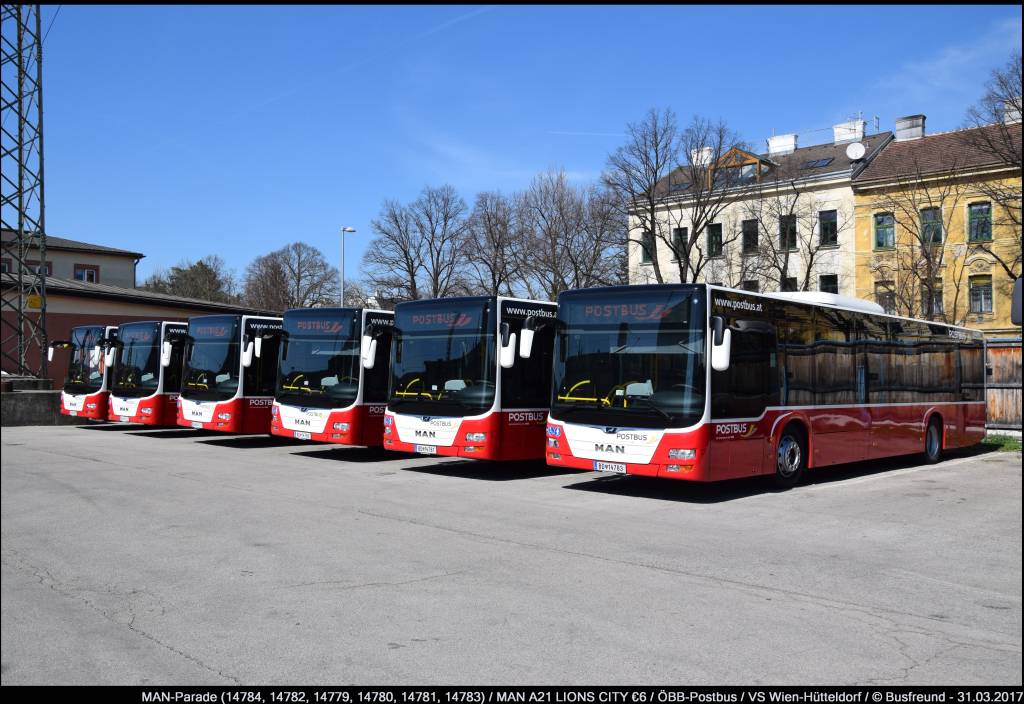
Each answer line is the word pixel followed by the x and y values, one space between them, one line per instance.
pixel 145 360
pixel 87 381
pixel 707 383
pixel 224 386
pixel 324 391
pixel 457 386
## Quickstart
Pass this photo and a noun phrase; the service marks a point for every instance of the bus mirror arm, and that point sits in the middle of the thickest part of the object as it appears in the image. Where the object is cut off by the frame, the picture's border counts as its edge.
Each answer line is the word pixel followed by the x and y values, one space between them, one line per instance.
pixel 718 328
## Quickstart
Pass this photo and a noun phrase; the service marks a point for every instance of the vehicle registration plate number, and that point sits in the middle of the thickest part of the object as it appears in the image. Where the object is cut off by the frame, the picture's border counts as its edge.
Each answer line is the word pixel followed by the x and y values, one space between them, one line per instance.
pixel 301 435
pixel 125 419
pixel 426 449
pixel 616 467
pixel 72 413
pixel 196 424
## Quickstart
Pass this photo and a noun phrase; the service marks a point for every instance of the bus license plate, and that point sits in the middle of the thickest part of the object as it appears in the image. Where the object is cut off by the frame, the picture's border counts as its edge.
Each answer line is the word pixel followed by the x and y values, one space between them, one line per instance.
pixel 300 435
pixel 72 413
pixel 426 449
pixel 616 467
pixel 125 419
pixel 197 424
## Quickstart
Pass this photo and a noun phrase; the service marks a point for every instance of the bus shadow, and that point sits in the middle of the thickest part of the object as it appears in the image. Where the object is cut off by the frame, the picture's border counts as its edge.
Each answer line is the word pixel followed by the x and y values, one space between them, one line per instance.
pixel 489 471
pixel 353 454
pixel 252 442
pixel 733 489
pixel 168 433
pixel 110 427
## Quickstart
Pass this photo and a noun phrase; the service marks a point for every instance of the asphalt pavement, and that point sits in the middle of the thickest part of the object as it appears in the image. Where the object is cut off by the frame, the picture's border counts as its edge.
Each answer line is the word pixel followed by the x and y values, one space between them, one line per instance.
pixel 134 556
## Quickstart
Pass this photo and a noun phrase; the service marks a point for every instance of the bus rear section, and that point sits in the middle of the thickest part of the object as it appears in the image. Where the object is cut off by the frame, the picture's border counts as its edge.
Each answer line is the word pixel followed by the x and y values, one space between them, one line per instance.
pixel 86 389
pixel 146 361
pixel 224 385
pixel 661 381
pixel 457 386
pixel 332 375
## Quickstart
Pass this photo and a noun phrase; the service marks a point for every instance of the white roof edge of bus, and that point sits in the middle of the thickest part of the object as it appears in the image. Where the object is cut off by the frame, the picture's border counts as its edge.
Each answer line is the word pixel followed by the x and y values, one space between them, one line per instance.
pixel 783 296
pixel 524 300
pixel 833 299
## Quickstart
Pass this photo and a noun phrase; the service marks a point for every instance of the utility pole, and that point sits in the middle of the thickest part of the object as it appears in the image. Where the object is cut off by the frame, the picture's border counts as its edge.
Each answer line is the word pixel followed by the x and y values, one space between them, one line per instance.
pixel 23 348
pixel 341 271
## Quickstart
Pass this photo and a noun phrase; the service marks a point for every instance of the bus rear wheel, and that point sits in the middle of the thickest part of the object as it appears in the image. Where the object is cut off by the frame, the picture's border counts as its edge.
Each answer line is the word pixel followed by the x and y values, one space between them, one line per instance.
pixel 790 459
pixel 933 441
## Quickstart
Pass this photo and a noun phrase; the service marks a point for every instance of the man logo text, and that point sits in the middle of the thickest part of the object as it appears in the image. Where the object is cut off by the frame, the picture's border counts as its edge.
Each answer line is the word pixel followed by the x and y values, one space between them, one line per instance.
pixel 617 449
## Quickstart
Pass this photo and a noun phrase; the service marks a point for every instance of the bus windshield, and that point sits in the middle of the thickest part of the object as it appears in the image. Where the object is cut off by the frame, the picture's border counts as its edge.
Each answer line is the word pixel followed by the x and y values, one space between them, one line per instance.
pixel 137 370
pixel 85 367
pixel 442 357
pixel 319 360
pixel 211 359
pixel 630 358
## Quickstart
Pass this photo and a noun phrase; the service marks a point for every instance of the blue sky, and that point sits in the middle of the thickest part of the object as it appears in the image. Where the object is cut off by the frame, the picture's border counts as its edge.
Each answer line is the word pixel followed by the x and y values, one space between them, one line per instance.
pixel 185 131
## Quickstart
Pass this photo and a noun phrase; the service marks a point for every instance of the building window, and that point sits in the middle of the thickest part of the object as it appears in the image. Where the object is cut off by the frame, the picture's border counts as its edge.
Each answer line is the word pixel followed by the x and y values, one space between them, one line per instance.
pixel 787 233
pixel 646 247
pixel 979 222
pixel 751 285
pixel 828 228
pixel 714 240
pixel 936 299
pixel 981 294
pixel 35 266
pixel 679 237
pixel 828 283
pixel 789 283
pixel 931 225
pixel 885 231
pixel 5 266
pixel 885 296
pixel 89 273
pixel 749 229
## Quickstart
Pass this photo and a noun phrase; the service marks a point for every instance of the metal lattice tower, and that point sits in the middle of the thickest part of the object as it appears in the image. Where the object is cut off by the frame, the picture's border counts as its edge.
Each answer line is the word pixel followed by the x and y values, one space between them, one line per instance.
pixel 21 211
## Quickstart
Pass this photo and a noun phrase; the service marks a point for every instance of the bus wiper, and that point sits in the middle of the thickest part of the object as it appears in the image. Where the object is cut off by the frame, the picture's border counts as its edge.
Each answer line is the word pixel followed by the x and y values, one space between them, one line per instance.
pixel 650 404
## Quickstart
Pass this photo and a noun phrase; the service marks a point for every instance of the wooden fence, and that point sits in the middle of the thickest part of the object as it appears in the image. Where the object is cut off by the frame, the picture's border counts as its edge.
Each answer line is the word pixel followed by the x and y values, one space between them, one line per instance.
pixel 1004 384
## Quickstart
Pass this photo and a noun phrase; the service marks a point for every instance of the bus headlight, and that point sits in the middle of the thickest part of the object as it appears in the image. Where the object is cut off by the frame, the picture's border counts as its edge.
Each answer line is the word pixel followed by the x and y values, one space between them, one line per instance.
pixel 476 437
pixel 91 406
pixel 677 454
pixel 343 427
pixel 223 416
pixel 552 442
pixel 146 411
pixel 387 430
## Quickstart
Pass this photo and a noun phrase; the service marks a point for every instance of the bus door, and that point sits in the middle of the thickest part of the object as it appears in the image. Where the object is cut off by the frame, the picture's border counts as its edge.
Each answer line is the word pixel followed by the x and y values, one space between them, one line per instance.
pixel 742 394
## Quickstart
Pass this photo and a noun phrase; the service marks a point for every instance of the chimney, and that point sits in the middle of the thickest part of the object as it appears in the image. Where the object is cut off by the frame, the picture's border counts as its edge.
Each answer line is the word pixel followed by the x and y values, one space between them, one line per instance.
pixel 850 131
pixel 702 156
pixel 781 144
pixel 909 127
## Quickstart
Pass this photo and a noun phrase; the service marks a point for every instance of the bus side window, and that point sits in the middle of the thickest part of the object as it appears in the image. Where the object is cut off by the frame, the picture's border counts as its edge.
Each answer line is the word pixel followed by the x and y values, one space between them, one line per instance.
pixel 796 347
pixel 874 338
pixel 375 381
pixel 749 385
pixel 835 358
pixel 972 372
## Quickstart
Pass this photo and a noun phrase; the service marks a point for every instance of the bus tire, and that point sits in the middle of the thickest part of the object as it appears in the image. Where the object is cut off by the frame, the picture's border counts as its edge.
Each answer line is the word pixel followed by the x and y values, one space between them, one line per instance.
pixel 790 458
pixel 933 441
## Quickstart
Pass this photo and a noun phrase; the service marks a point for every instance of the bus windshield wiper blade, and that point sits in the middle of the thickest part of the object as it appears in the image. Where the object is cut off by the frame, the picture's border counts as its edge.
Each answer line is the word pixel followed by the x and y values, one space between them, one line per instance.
pixel 650 404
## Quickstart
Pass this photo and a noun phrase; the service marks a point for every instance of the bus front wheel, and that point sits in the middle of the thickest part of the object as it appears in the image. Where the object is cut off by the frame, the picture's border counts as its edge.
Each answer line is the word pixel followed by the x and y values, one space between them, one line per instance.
pixel 933 441
pixel 790 459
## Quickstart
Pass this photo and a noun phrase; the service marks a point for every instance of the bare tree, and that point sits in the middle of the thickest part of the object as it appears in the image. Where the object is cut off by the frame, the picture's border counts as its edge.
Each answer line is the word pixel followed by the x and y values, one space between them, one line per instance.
pixel 636 173
pixel 295 276
pixel 208 279
pixel 920 264
pixel 994 129
pixel 493 239
pixel 394 259
pixel 440 216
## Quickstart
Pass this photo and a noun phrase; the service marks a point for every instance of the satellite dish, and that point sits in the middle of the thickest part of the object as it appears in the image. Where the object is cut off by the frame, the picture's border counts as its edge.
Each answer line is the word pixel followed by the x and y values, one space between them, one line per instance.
pixel 855 151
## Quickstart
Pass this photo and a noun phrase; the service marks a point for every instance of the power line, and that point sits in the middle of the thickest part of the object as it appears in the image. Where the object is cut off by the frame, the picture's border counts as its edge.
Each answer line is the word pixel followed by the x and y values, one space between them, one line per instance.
pixel 52 20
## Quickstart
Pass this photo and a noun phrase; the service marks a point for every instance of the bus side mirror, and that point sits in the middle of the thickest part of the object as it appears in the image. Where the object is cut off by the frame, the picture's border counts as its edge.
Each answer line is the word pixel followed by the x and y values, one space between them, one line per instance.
pixel 49 353
pixel 257 346
pixel 508 350
pixel 368 345
pixel 247 354
pixel 109 355
pixel 721 344
pixel 165 353
pixel 526 337
pixel 506 331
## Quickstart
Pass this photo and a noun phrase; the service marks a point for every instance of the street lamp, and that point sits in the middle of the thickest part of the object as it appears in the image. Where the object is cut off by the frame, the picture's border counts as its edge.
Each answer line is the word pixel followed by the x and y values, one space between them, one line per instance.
pixel 342 271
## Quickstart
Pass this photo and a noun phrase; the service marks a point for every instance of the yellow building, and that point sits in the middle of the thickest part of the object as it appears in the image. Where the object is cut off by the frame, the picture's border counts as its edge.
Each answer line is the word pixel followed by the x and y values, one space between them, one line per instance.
pixel 938 225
